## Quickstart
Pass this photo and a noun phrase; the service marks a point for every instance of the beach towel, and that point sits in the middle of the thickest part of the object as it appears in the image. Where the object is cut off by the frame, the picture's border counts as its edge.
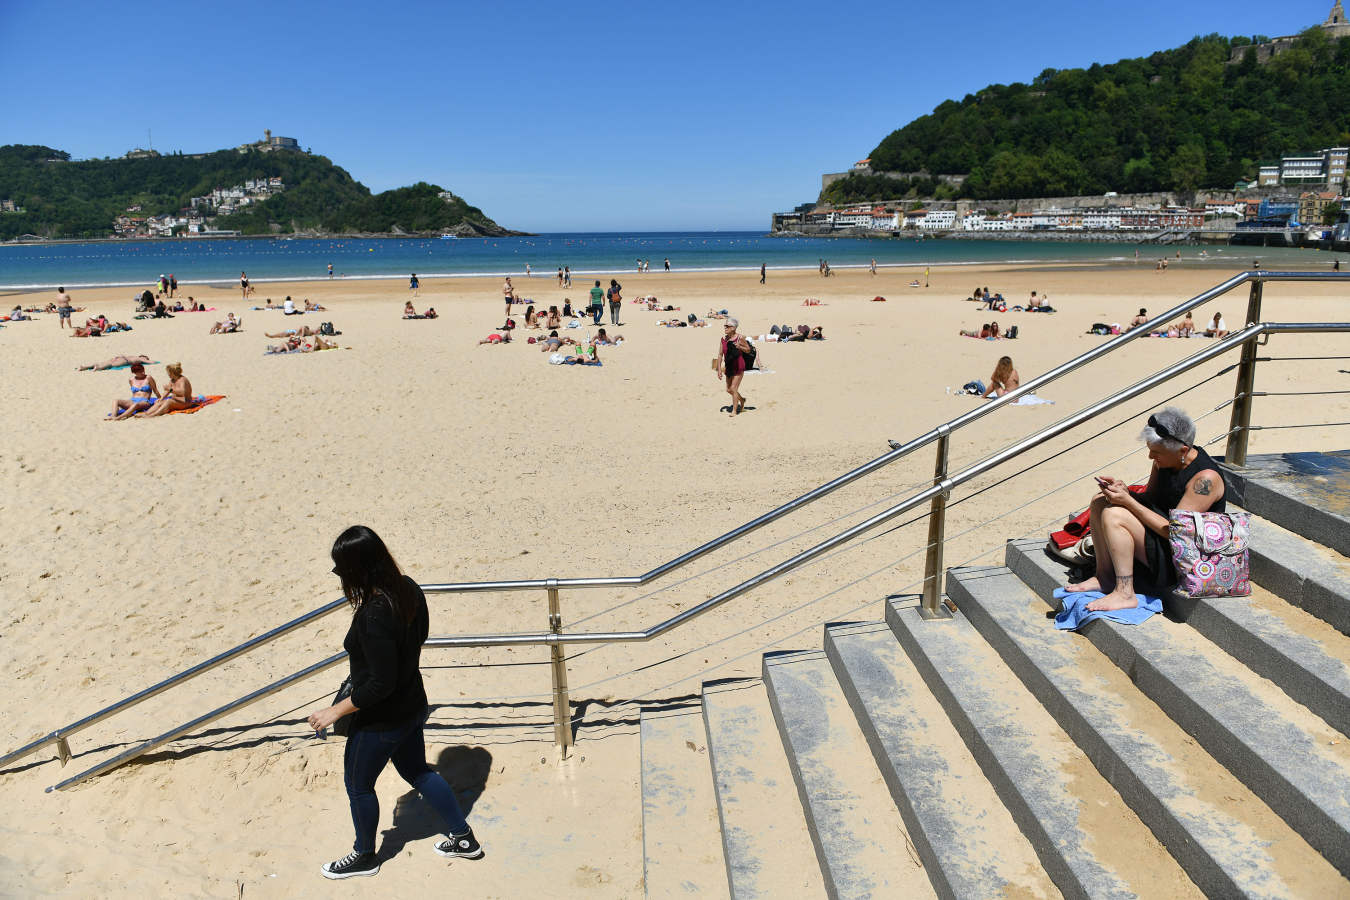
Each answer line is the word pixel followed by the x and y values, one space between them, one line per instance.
pixel 1031 400
pixel 1074 613
pixel 202 402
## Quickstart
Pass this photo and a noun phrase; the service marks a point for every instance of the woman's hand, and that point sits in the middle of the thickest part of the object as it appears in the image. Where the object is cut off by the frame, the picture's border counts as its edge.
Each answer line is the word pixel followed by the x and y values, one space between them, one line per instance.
pixel 1116 491
pixel 324 718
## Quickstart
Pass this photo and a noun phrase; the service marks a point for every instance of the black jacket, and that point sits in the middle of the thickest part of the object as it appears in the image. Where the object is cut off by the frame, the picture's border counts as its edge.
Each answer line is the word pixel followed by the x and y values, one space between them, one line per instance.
pixel 386 681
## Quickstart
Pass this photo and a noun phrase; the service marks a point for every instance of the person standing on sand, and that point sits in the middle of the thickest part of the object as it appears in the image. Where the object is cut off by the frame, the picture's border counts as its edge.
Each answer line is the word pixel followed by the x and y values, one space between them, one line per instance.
pixel 528 273
pixel 64 307
pixel 732 359
pixel 387 703
pixel 330 270
pixel 508 294
pixel 761 273
pixel 615 302
pixel 567 276
pixel 560 280
pixel 243 285
pixel 667 263
pixel 872 267
pixel 597 302
pixel 414 285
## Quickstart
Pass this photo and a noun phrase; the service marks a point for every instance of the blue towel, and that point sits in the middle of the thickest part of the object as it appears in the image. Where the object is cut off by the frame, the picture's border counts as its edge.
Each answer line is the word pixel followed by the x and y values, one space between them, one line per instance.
pixel 1075 614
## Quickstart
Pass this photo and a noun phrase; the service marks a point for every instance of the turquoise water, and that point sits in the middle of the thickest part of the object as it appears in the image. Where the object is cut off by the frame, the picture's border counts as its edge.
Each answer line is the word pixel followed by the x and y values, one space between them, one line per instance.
pixel 138 263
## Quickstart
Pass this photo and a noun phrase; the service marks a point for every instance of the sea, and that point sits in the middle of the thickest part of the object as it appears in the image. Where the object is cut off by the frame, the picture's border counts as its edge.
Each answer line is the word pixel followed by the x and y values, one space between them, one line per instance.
pixel 33 267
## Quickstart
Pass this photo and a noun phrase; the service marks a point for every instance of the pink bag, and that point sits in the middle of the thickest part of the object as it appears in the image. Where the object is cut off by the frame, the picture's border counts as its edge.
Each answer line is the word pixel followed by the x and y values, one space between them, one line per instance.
pixel 1209 551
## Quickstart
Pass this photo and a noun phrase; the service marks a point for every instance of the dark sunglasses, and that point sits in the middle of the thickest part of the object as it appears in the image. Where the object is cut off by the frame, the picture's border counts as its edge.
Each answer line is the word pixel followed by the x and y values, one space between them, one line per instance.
pixel 1162 432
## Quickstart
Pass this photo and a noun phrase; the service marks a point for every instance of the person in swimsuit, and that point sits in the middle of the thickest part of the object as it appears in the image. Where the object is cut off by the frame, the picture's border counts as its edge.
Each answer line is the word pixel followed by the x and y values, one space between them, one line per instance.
pixel 64 307
pixel 554 320
pixel 178 396
pixel 244 289
pixel 731 363
pixel 115 362
pixel 1130 530
pixel 1004 379
pixel 508 294
pixel 302 331
pixel 229 326
pixel 144 393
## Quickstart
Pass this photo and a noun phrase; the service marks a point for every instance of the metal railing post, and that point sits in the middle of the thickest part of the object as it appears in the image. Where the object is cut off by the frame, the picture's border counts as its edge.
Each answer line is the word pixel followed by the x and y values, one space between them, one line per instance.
pixel 931 607
pixel 1240 419
pixel 562 703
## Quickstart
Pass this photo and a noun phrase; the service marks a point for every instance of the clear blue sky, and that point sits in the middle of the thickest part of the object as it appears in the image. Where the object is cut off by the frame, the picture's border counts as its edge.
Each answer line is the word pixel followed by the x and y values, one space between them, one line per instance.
pixel 560 117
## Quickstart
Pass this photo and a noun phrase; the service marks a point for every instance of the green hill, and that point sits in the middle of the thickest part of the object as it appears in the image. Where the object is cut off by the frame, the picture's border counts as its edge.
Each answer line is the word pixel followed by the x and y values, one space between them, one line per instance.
pixel 1176 120
pixel 65 199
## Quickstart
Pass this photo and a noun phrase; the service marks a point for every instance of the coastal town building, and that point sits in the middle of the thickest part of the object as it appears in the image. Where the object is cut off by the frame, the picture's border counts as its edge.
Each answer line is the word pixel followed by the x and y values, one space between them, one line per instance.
pixel 1312 205
pixel 271 143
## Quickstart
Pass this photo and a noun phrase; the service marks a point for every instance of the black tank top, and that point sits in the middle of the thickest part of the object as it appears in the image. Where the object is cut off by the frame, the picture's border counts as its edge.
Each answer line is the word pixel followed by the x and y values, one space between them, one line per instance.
pixel 1172 484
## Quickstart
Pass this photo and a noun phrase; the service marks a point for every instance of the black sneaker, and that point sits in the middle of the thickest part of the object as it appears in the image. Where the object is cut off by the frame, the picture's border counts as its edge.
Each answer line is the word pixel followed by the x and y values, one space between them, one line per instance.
pixel 352 865
pixel 462 846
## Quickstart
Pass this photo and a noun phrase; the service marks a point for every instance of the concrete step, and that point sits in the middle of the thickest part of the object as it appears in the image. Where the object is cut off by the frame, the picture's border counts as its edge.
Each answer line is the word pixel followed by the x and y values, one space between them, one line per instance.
pixel 764 838
pixel 1305 656
pixel 1228 840
pixel 1312 577
pixel 1291 758
pixel 681 850
pixel 969 844
pixel 856 829
pixel 1088 839
pixel 1307 493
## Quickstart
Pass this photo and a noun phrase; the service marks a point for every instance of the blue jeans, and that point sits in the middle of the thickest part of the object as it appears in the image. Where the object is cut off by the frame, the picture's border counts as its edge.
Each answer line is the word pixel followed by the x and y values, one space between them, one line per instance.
pixel 597 312
pixel 368 751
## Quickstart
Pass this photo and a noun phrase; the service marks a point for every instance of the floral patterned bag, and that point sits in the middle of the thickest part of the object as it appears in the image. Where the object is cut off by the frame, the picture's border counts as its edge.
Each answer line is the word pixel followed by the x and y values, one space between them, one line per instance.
pixel 1209 551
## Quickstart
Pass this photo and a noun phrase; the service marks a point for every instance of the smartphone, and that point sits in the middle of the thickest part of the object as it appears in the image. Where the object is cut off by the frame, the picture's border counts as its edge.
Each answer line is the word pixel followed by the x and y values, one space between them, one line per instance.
pixel 1102 482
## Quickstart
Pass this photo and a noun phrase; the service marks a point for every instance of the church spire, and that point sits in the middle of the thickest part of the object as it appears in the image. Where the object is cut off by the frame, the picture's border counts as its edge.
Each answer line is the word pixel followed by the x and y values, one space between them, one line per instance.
pixel 1337 14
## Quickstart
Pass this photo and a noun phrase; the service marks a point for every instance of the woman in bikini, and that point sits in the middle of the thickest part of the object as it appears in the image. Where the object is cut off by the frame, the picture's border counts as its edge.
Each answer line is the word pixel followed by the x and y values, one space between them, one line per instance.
pixel 144 393
pixel 554 320
pixel 1004 379
pixel 531 319
pixel 178 396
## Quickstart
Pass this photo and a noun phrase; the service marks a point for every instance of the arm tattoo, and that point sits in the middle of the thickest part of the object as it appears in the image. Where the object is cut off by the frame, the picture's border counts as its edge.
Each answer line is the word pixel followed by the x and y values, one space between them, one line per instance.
pixel 1202 487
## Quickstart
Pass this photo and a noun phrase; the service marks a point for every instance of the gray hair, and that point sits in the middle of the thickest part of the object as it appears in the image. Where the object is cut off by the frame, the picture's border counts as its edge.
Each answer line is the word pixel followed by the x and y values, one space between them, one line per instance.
pixel 733 323
pixel 1176 423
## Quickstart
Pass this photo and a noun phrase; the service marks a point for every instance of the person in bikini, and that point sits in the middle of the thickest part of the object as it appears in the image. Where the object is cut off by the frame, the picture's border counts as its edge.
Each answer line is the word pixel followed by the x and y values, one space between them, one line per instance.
pixel 178 396
pixel 1130 531
pixel 1004 379
pixel 115 362
pixel 144 393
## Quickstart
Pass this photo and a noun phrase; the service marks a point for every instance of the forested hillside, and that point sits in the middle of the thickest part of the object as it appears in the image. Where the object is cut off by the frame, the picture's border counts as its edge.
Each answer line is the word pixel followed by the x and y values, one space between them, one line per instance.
pixel 1177 120
pixel 62 198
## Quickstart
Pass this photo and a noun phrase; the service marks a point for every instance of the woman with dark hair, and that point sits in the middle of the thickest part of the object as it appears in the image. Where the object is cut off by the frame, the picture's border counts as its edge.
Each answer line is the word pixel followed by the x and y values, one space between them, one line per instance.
pixel 388 703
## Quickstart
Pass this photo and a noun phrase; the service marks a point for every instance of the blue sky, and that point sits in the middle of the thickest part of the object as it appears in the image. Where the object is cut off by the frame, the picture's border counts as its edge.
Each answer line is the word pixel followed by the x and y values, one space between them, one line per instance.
pixel 560 117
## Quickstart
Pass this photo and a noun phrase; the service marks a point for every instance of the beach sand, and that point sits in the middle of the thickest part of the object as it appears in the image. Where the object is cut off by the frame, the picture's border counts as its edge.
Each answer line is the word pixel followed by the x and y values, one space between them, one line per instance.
pixel 133 550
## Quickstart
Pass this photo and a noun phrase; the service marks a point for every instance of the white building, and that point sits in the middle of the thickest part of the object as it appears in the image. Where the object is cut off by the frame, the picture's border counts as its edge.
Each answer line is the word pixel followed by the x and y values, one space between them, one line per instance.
pixel 1105 218
pixel 939 219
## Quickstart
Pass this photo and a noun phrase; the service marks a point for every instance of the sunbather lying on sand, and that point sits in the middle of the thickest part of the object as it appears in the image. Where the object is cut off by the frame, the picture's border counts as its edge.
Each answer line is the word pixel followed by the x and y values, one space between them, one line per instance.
pixel 295 345
pixel 115 362
pixel 302 331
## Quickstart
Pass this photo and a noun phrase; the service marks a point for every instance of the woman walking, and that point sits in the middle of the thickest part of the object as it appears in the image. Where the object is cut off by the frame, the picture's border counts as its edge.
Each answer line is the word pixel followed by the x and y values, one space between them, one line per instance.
pixel 388 703
pixel 732 361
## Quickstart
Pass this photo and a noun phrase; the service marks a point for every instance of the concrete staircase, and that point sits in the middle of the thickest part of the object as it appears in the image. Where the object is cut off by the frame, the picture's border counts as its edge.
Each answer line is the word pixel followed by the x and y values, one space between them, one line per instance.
pixel 1204 753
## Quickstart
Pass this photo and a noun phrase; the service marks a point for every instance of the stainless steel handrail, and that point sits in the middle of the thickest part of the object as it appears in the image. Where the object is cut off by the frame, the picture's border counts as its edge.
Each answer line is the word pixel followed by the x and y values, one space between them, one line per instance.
pixel 943 488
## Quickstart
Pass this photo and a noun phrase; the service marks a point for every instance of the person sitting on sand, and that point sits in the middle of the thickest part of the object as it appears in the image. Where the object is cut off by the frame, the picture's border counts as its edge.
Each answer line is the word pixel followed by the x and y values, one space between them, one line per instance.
pixel 554 320
pixel 1187 326
pixel 92 327
pixel 567 309
pixel 144 394
pixel 193 306
pixel 1217 328
pixel 115 362
pixel 161 311
pixel 1139 319
pixel 409 311
pixel 531 318
pixel 302 331
pixel 229 326
pixel 1004 379
pixel 178 395
pixel 1130 531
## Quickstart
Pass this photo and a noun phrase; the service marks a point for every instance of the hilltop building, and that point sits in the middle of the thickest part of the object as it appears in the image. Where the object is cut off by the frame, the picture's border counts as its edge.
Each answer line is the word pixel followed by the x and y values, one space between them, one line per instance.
pixel 270 143
pixel 1335 27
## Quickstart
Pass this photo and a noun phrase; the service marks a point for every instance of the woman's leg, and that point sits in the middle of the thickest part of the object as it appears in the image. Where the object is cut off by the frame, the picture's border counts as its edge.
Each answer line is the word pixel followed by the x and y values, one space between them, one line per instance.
pixel 734 388
pixel 1124 536
pixel 365 757
pixel 410 759
pixel 1105 575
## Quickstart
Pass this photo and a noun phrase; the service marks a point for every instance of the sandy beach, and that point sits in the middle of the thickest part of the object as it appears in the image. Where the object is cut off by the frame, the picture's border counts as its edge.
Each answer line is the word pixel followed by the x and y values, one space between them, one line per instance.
pixel 135 549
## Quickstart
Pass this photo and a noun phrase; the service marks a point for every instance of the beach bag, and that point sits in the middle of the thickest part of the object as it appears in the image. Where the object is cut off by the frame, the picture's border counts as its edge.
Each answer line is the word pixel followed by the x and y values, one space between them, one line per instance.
pixel 326 328
pixel 1012 332
pixel 343 725
pixel 750 356
pixel 1209 551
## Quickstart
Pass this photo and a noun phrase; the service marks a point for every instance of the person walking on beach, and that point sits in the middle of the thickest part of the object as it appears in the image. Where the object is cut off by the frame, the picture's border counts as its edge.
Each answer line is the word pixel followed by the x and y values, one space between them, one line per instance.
pixel 872 267
pixel 761 273
pixel 597 302
pixel 733 359
pixel 414 286
pixel 243 285
pixel 330 270
pixel 667 263
pixel 387 703
pixel 64 307
pixel 567 276
pixel 560 279
pixel 528 273
pixel 615 302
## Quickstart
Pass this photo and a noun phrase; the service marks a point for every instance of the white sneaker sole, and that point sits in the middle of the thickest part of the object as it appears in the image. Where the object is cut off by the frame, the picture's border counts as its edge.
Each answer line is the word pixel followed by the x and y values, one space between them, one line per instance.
pixel 340 875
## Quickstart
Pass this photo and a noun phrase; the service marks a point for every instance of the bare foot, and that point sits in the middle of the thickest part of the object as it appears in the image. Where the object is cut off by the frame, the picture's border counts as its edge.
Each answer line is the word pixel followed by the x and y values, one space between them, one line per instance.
pixel 1114 600
pixel 1088 584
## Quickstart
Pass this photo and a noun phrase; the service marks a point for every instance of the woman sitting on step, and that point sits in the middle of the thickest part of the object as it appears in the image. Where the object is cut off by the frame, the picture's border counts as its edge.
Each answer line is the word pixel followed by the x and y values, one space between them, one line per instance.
pixel 1130 530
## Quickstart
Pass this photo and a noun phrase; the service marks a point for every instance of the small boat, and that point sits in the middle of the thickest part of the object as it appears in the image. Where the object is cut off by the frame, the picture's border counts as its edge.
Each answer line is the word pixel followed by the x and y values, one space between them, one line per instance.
pixel 449 237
